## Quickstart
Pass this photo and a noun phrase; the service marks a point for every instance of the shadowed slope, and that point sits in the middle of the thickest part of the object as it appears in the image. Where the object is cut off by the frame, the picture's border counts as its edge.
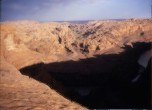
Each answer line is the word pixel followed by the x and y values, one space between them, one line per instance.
pixel 107 77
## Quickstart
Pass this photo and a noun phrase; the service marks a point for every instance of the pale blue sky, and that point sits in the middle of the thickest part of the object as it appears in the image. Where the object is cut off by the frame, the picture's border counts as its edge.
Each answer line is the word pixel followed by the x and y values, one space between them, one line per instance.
pixel 67 10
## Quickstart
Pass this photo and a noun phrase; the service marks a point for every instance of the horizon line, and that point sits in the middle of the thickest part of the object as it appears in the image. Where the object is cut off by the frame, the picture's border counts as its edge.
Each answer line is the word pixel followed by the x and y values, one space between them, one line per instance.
pixel 72 20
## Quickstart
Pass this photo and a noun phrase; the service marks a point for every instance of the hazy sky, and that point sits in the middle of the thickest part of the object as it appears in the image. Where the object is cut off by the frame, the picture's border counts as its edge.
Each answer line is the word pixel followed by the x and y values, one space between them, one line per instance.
pixel 64 10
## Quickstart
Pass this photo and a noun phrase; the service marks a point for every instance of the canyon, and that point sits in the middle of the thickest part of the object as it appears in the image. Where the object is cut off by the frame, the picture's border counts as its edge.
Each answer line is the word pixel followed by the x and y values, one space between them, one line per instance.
pixel 65 65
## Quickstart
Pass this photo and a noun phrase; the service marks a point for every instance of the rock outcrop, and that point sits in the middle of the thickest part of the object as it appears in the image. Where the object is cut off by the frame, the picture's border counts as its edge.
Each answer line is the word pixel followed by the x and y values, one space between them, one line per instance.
pixel 20 92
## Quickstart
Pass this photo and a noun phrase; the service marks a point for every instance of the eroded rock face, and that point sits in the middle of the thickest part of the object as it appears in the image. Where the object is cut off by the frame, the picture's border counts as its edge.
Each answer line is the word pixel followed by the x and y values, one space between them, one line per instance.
pixel 78 40
pixel 106 34
pixel 25 43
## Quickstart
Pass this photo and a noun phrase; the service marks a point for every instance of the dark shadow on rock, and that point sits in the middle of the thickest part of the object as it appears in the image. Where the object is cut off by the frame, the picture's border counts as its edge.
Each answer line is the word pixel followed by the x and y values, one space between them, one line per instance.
pixel 107 77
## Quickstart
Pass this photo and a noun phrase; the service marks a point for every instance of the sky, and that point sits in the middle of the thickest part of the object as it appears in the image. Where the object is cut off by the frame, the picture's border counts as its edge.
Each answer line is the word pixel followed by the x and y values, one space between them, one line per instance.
pixel 74 10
